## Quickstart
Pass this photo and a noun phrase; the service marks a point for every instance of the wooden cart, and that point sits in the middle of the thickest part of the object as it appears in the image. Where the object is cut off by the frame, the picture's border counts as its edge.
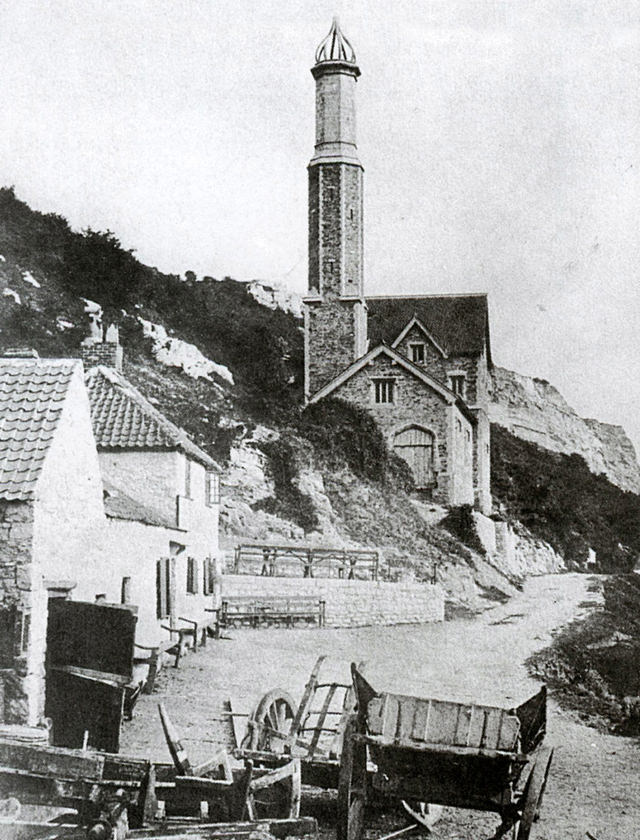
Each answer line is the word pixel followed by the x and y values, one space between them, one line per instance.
pixel 460 755
pixel 311 731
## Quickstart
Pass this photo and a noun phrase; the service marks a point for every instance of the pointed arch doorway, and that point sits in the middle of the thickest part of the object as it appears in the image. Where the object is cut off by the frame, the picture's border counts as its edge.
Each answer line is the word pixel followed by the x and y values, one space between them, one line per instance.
pixel 416 446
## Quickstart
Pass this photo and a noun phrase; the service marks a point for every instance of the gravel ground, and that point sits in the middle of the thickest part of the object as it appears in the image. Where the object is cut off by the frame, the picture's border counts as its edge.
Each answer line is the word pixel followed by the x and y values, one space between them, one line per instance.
pixel 594 784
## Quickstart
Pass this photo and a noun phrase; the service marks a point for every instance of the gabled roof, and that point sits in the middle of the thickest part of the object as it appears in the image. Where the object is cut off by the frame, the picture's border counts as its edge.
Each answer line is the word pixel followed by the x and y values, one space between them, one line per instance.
pixel 416 322
pixel 459 323
pixel 446 393
pixel 123 419
pixel 32 395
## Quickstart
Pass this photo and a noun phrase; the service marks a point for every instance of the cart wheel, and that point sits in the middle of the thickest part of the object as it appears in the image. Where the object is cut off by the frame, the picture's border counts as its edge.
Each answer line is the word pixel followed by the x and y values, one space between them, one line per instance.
pixel 275 713
pixel 352 785
pixel 533 793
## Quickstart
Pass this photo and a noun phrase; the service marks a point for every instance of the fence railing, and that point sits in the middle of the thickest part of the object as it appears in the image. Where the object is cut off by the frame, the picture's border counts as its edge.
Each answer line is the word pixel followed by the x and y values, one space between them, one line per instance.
pixel 306 561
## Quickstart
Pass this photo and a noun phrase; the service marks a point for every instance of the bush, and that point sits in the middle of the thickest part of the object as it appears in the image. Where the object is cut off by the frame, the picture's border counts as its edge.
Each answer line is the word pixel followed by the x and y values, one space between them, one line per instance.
pixel 286 457
pixel 346 436
pixel 561 501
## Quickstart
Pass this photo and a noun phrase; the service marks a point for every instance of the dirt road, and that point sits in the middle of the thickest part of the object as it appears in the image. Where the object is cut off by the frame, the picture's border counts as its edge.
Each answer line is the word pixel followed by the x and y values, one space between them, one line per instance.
pixel 595 781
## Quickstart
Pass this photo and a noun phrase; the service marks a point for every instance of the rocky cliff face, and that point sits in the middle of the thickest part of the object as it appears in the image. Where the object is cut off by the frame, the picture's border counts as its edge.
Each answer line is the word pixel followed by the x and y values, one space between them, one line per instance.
pixel 534 410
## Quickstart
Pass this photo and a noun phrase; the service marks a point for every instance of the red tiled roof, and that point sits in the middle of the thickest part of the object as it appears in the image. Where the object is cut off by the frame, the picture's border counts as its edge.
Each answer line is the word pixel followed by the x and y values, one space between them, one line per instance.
pixel 123 419
pixel 32 395
pixel 460 323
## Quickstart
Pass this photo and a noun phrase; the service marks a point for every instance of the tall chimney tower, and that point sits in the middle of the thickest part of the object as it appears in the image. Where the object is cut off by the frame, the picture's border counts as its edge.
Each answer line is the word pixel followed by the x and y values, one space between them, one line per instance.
pixel 335 313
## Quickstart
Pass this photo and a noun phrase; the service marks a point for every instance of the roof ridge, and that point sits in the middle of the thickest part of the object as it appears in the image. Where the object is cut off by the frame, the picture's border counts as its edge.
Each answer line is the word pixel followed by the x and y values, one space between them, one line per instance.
pixel 422 297
pixel 166 432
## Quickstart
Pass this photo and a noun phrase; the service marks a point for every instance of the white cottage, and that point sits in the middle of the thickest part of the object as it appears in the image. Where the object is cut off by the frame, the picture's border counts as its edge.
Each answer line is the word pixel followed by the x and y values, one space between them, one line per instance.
pixel 133 523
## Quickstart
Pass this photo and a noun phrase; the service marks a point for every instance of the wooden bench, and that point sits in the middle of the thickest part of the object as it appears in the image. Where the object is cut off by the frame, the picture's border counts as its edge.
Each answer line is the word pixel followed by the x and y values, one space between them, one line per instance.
pixel 252 611
pixel 176 647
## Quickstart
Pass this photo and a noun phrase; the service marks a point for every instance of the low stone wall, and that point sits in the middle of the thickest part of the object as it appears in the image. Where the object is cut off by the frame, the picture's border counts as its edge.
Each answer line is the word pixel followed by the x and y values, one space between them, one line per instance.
pixel 350 603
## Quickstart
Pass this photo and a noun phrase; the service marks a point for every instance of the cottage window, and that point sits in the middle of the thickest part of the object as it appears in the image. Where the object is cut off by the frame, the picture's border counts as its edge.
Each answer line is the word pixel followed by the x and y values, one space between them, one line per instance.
pixel 383 390
pixel 187 478
pixel 211 489
pixel 192 576
pixel 416 352
pixel 457 382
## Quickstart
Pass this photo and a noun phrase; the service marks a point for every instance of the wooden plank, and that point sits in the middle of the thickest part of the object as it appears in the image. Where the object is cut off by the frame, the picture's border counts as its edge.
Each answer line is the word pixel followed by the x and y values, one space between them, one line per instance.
pixel 476 726
pixel 406 715
pixel 236 733
pixel 202 784
pixel 296 790
pixel 452 749
pixel 300 827
pixel 463 721
pixel 219 762
pixel 272 777
pixel 178 752
pixel 331 690
pixel 492 728
pixel 114 680
pixel 391 711
pixel 24 734
pixel 420 721
pixel 57 762
pixel 307 697
pixel 442 723
pixel 31 830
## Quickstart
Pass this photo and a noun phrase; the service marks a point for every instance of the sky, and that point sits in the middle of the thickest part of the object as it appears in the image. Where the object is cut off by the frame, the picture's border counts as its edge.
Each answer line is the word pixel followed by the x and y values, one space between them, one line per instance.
pixel 500 140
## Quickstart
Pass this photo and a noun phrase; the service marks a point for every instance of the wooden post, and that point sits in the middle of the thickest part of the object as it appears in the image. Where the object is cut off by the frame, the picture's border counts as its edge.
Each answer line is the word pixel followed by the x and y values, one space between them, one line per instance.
pixel 178 752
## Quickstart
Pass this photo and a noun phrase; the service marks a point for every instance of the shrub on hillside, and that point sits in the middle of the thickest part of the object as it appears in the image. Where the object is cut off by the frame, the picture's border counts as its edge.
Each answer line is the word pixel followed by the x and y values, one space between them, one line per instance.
pixel 286 457
pixel 594 664
pixel 561 501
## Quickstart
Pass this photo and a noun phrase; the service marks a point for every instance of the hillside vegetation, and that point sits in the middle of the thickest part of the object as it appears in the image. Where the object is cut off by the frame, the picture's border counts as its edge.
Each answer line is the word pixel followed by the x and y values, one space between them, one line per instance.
pixel 594 664
pixel 561 501
pixel 329 472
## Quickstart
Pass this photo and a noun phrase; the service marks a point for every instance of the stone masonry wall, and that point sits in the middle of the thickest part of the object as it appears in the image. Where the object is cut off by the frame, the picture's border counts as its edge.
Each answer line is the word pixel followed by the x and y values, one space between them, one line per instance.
pixel 331 337
pixel 106 353
pixel 415 403
pixel 350 603
pixel 335 269
pixel 21 590
pixel 474 367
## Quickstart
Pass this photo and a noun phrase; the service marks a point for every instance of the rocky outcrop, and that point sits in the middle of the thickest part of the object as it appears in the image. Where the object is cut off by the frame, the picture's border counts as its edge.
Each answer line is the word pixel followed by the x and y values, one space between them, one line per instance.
pixel 534 410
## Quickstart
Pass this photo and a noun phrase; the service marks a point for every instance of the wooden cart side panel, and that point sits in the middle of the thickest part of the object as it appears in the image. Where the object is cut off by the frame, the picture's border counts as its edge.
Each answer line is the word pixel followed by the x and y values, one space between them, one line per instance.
pixel 411 719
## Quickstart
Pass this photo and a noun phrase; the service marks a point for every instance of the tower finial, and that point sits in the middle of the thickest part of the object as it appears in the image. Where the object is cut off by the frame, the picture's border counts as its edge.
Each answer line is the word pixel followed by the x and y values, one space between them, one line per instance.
pixel 335 46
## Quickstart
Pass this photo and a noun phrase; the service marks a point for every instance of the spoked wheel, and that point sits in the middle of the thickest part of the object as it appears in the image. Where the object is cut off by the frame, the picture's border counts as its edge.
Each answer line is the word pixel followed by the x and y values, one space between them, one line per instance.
pixel 352 785
pixel 533 793
pixel 271 721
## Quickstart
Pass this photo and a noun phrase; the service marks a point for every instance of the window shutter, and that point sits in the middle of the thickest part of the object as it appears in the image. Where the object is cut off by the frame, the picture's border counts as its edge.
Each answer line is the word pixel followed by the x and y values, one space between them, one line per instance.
pixel 205 576
pixel 192 576
pixel 163 587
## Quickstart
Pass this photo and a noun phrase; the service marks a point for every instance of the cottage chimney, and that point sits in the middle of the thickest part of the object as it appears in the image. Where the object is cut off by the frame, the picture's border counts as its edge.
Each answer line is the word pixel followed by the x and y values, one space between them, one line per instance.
pixel 105 351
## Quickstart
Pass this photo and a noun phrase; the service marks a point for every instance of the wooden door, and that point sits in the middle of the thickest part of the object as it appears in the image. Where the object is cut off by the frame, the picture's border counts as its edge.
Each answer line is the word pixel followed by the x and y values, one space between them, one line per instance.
pixel 416 446
pixel 89 662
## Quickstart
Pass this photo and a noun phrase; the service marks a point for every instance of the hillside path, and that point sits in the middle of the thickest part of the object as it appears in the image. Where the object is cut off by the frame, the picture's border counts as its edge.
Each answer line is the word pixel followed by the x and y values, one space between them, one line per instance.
pixel 595 783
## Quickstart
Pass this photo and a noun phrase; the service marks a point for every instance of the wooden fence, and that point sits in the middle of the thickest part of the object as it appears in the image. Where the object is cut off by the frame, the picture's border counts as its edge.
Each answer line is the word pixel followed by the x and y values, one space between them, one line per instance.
pixel 308 562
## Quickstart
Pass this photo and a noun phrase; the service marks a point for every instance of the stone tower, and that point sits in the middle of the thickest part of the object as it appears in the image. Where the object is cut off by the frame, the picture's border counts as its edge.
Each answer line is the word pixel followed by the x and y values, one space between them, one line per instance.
pixel 335 311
